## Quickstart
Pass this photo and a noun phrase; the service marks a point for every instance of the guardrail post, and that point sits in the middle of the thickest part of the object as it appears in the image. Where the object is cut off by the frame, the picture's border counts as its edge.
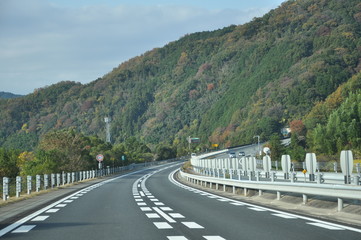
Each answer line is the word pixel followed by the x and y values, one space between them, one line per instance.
pixel 63 175
pixel 58 179
pixel 46 181
pixel 18 186
pixel 38 182
pixel 52 180
pixel 304 198
pixel 258 173
pixel 278 195
pixel 320 178
pixel 273 175
pixel 28 182
pixel 260 192
pixel 339 204
pixel 356 180
pixel 5 188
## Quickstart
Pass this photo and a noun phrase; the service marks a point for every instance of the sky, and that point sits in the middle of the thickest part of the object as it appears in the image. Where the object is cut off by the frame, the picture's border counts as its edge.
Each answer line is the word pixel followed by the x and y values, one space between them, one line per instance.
pixel 47 41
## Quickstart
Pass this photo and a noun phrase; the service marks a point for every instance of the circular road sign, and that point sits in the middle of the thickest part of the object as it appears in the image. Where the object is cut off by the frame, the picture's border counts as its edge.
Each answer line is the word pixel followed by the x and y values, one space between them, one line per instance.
pixel 100 157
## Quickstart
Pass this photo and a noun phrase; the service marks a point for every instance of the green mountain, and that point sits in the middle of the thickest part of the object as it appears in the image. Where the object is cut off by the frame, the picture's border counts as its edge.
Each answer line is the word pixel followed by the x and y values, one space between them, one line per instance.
pixel 224 86
pixel 6 95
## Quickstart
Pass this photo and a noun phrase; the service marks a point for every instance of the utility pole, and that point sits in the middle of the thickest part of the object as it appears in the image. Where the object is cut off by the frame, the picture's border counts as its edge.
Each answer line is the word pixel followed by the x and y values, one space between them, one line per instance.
pixel 107 129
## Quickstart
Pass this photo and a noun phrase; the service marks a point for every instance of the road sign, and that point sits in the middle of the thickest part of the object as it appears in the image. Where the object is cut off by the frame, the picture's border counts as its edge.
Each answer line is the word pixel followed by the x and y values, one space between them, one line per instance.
pixel 286 163
pixel 100 157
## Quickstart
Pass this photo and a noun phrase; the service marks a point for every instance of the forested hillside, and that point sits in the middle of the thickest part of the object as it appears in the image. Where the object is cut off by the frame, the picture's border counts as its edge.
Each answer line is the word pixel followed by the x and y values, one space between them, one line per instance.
pixel 298 66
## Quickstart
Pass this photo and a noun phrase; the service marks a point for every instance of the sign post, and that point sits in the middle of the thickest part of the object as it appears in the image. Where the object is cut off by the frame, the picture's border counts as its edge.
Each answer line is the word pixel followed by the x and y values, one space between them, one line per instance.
pixel 100 159
pixel 346 160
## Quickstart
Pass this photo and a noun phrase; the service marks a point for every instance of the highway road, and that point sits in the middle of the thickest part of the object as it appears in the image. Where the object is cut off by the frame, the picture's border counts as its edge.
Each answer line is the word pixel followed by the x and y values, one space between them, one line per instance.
pixel 150 204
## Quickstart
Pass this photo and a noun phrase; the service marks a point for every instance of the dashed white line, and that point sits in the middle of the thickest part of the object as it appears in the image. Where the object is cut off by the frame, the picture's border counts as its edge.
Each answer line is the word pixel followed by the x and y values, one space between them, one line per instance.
pixel 162 225
pixel 60 205
pixel 53 210
pixel 159 203
pixel 24 229
pixel 284 216
pixel 176 215
pixel 145 209
pixel 214 238
pixel 177 238
pixel 192 225
pixel 39 218
pixel 152 215
pixel 257 209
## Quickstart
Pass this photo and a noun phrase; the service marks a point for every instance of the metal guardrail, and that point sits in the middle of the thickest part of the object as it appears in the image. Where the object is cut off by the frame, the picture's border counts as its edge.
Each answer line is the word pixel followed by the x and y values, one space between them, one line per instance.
pixel 231 172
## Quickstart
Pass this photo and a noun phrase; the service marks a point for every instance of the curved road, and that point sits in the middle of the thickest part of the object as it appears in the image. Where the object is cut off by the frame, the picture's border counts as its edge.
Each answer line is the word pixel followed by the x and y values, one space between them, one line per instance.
pixel 150 204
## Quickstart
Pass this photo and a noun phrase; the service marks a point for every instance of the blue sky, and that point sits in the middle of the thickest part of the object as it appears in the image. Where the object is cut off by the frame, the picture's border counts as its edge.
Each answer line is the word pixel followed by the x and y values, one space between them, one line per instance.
pixel 47 41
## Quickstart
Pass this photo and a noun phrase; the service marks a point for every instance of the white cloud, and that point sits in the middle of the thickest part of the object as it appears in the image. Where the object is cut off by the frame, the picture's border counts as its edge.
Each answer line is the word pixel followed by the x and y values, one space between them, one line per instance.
pixel 43 43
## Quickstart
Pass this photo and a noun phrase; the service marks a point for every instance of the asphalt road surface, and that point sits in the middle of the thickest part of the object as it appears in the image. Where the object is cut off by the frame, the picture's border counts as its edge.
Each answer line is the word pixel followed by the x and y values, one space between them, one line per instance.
pixel 150 204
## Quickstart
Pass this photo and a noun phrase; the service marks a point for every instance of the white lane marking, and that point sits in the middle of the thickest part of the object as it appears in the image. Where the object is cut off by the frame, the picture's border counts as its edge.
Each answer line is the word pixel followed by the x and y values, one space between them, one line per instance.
pixel 214 238
pixel 150 196
pixel 237 204
pixel 39 218
pixel 139 200
pixel 61 205
pixel 177 238
pixel 68 201
pixel 164 215
pixel 137 196
pixel 257 209
pixel 154 200
pixel 79 195
pixel 192 225
pixel 223 200
pixel 211 196
pixel 162 225
pixel 142 194
pixel 159 203
pixel 53 210
pixel 327 226
pixel 24 229
pixel 176 215
pixel 284 216
pixel 166 209
pixel 152 215
pixel 73 198
pixel 138 185
pixel 141 204
pixel 145 209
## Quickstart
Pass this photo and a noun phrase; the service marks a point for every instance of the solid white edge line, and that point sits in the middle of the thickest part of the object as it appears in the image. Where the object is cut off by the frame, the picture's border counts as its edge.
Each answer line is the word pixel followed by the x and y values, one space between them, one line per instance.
pixel 171 179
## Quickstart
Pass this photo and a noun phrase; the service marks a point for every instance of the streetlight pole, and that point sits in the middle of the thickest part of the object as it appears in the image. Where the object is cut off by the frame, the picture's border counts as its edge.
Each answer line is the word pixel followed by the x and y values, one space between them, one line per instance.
pixel 257 136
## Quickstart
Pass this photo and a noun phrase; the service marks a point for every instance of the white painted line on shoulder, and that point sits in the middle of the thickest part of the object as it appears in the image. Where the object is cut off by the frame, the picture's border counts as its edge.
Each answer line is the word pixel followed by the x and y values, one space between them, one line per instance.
pixel 39 218
pixel 145 209
pixel 177 238
pixel 214 238
pixel 53 210
pixel 192 225
pixel 257 209
pixel 24 229
pixel 323 225
pixel 223 200
pixel 237 204
pixel 162 225
pixel 284 216
pixel 176 215
pixel 152 215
